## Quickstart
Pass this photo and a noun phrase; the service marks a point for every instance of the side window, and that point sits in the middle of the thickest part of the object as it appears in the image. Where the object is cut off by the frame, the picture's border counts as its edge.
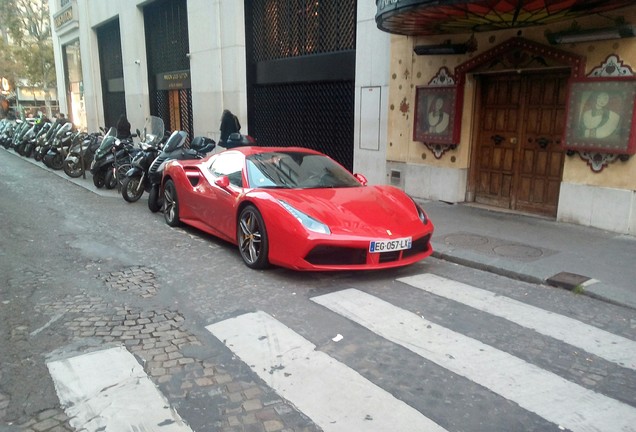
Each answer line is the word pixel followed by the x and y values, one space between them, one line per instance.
pixel 230 165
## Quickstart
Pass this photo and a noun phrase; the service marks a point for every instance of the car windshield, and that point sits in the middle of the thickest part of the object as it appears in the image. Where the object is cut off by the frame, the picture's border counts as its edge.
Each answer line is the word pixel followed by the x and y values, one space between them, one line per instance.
pixel 297 170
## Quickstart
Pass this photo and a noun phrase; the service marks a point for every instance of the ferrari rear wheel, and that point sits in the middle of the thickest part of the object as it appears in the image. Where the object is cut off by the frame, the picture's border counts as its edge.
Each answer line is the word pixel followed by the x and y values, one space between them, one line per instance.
pixel 171 204
pixel 252 238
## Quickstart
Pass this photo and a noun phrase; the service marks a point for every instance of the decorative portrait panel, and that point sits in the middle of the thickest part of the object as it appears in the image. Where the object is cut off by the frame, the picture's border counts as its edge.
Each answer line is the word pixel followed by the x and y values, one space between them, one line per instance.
pixel 435 115
pixel 601 116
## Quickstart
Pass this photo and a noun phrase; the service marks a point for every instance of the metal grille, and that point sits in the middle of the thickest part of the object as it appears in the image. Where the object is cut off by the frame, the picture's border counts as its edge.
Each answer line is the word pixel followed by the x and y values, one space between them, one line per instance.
pixel 319 116
pixel 167 46
pixel 291 28
pixel 111 66
pixel 166 25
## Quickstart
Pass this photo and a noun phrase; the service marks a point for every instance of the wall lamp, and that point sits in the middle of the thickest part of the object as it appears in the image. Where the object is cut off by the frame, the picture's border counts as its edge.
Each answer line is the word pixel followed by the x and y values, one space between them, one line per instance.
pixel 447 48
pixel 575 34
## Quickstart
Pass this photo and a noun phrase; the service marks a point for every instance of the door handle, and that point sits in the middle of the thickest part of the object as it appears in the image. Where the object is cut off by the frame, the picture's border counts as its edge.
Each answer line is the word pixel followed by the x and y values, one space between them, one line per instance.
pixel 497 139
pixel 543 142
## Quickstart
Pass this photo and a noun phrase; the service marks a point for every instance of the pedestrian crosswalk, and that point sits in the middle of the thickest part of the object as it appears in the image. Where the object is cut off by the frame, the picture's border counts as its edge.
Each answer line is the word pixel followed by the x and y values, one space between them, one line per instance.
pixel 557 400
pixel 108 390
pixel 337 397
pixel 604 344
pixel 313 381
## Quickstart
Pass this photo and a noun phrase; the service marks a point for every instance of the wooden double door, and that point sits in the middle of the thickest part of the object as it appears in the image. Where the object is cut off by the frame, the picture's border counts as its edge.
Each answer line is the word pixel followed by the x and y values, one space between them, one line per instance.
pixel 518 164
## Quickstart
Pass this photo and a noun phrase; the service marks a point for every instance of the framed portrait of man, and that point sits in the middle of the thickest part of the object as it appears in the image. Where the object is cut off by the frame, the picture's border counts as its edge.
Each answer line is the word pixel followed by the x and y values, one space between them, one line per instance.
pixel 601 116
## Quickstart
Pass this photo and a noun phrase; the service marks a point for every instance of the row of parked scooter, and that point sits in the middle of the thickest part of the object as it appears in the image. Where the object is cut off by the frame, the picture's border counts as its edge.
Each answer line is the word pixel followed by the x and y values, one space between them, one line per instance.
pixel 134 167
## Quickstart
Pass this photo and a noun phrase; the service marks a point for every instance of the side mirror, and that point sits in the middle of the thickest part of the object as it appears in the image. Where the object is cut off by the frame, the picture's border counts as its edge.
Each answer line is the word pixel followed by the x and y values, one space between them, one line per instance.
pixel 222 182
pixel 362 179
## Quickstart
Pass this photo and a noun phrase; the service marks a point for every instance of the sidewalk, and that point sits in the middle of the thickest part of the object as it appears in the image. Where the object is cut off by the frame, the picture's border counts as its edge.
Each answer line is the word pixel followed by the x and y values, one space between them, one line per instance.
pixel 588 260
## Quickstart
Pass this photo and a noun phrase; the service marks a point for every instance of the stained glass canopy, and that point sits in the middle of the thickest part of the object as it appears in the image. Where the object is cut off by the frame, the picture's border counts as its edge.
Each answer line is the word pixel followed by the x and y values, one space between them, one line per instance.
pixel 431 17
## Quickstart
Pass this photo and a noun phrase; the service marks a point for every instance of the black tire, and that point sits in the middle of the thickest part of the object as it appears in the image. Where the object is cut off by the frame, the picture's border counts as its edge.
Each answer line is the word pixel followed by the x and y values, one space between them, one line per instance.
pixel 251 236
pixel 110 182
pixel 28 152
pixel 155 202
pixel 99 179
pixel 131 189
pixel 171 204
pixel 73 169
pixel 57 163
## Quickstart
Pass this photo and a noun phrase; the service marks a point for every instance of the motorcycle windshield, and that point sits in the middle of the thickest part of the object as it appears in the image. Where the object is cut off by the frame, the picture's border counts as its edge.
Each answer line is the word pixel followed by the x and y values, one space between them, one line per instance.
pixel 153 131
pixel 66 127
pixel 107 142
pixel 176 141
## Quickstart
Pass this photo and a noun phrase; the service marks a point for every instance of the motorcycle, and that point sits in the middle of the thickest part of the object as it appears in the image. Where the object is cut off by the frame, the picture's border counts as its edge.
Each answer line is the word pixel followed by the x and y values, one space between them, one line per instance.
pixel 174 149
pixel 42 128
pixel 136 180
pixel 45 141
pixel 81 155
pixel 111 161
pixel 54 157
pixel 20 143
pixel 21 129
pixel 7 131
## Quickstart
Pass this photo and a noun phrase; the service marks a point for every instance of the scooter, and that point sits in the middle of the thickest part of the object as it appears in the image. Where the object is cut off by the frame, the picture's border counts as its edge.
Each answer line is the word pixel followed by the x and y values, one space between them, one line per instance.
pixel 45 141
pixel 174 149
pixel 104 159
pixel 81 155
pixel 136 180
pixel 54 158
pixel 29 148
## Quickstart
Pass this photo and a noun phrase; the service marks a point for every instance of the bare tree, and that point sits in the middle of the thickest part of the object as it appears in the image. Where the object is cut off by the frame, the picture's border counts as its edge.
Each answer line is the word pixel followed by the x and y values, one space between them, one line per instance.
pixel 25 31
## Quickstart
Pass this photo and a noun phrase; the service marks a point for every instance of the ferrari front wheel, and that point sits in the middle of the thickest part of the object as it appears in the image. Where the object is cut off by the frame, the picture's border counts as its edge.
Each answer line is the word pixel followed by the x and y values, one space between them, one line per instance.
pixel 171 204
pixel 252 238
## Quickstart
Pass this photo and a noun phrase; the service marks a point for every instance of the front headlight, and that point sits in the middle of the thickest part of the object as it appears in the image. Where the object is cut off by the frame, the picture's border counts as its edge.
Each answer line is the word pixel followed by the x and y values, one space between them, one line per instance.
pixel 307 221
pixel 420 212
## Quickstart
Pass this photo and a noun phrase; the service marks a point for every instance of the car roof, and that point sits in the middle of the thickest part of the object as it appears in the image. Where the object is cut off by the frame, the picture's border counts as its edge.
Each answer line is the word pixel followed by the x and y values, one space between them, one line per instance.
pixel 252 150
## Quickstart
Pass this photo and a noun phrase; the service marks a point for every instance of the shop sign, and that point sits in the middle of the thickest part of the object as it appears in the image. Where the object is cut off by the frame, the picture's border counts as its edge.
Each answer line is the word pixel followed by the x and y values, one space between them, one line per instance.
pixel 176 80
pixel 63 17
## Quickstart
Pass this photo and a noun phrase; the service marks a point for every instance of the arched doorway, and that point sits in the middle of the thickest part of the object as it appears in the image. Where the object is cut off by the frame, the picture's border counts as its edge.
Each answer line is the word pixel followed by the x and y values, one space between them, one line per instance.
pixel 517 156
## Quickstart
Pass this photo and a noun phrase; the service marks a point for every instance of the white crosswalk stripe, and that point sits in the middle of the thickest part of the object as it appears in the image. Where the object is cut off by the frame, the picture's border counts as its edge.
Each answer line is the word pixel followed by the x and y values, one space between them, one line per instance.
pixel 599 342
pixel 544 393
pixel 334 396
pixel 108 390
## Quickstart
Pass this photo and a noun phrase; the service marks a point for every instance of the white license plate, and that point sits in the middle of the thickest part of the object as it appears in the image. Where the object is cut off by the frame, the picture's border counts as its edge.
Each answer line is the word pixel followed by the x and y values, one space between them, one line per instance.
pixel 390 245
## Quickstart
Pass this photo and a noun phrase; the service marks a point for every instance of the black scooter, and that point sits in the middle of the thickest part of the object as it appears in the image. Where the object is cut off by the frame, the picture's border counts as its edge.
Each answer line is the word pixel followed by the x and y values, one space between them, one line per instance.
pixel 106 158
pixel 174 149
pixel 136 180
pixel 81 155
pixel 54 157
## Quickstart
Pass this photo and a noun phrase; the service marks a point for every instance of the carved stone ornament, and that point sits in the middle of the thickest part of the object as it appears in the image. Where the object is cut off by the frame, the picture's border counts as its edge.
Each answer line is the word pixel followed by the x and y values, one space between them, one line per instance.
pixel 612 67
pixel 443 78
pixel 598 161
pixel 438 150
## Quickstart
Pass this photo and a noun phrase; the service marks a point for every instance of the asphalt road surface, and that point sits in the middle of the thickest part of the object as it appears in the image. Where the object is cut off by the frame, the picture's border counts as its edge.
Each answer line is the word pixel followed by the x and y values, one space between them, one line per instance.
pixel 110 320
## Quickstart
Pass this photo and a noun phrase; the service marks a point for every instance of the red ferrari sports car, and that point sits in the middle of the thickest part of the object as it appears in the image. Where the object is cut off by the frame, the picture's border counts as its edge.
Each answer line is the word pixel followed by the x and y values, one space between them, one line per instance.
pixel 296 208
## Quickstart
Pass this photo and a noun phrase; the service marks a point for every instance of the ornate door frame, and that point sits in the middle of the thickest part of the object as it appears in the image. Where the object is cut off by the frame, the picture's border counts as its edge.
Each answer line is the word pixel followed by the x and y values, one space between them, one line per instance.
pixel 514 55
